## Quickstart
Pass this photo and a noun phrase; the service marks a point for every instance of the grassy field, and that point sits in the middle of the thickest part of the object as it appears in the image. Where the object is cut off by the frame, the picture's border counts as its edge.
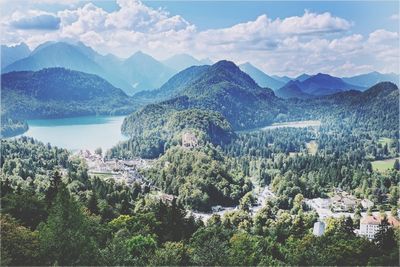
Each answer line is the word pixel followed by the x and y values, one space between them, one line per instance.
pixel 383 165
pixel 312 147
pixel 384 140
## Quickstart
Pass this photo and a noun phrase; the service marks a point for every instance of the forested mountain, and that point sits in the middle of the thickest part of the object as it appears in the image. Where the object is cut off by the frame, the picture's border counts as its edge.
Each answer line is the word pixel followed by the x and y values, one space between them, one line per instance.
pixel 174 85
pixel 372 78
pixel 260 77
pixel 292 90
pixel 70 56
pixel 10 54
pixel 183 61
pixel 224 88
pixel 155 128
pixel 316 85
pixel 57 92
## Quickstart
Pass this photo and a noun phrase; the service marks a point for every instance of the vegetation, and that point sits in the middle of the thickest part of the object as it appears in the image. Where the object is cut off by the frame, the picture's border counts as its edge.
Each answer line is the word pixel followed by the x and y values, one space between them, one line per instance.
pixel 58 226
pixel 199 177
pixel 12 127
pixel 55 93
pixel 155 128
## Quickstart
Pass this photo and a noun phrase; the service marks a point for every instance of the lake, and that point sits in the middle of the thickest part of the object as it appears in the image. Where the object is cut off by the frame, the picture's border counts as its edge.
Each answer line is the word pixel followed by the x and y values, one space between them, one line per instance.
pixel 294 124
pixel 89 132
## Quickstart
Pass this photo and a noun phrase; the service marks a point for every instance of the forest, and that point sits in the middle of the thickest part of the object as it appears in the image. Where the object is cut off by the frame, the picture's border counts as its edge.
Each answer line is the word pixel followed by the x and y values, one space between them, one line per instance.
pixel 55 213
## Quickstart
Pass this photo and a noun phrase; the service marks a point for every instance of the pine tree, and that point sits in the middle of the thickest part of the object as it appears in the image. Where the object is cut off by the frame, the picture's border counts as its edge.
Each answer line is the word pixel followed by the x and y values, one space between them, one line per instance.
pixel 384 238
pixel 65 237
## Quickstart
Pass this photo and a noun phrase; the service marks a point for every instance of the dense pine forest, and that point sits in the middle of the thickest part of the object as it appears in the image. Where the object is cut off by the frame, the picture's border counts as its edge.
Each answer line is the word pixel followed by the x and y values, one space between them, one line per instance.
pixel 54 212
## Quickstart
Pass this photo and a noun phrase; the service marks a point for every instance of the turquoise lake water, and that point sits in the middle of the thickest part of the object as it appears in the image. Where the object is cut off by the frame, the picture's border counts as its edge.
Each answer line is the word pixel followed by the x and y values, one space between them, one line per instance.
pixel 77 133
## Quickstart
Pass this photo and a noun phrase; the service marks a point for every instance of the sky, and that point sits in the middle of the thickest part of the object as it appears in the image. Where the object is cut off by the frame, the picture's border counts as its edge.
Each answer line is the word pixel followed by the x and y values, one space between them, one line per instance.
pixel 342 38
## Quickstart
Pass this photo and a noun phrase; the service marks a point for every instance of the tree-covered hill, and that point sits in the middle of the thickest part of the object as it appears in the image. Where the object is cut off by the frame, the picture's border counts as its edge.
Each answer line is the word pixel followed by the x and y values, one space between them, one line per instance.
pixel 58 92
pixel 156 127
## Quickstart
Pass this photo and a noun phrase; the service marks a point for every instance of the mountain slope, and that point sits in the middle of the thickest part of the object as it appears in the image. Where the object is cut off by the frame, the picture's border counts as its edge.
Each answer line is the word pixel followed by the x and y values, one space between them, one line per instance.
pixel 10 54
pixel 260 77
pixel 57 92
pixel 143 72
pixel 302 77
pixel 292 90
pixel 372 78
pixel 223 88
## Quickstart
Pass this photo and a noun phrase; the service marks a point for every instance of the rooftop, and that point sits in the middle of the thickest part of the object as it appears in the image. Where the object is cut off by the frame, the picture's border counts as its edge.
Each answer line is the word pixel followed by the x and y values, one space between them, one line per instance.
pixel 372 219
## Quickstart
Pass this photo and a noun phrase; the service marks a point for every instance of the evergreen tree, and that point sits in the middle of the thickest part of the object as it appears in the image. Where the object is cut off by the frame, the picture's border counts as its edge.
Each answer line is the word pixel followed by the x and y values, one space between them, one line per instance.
pixel 65 238
pixel 385 238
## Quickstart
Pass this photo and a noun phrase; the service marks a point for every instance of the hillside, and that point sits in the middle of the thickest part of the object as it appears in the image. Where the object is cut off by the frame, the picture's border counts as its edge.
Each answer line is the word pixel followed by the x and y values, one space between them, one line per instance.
pixel 57 92
pixel 156 127
pixel 292 90
pixel 223 88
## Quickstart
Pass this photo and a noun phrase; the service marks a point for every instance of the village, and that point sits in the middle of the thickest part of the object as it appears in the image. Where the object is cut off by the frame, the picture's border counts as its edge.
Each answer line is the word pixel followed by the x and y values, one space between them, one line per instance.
pixel 340 204
pixel 125 171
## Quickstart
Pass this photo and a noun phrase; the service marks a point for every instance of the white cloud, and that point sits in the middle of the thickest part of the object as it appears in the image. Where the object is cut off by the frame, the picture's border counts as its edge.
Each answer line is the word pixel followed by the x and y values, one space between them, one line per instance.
pixel 308 43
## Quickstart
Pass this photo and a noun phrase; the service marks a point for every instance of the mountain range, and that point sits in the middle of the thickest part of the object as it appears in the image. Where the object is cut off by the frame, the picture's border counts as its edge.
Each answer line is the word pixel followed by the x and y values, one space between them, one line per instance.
pixel 142 72
pixel 136 73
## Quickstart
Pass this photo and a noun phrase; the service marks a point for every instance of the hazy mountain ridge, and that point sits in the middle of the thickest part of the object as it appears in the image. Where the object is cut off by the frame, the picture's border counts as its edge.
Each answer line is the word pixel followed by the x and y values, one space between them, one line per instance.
pixel 10 54
pixel 261 77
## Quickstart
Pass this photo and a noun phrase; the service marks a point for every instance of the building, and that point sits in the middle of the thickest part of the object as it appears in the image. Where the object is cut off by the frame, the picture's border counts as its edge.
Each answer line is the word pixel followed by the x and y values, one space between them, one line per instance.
pixel 342 201
pixel 366 203
pixel 322 203
pixel 189 140
pixel 369 225
pixel 319 228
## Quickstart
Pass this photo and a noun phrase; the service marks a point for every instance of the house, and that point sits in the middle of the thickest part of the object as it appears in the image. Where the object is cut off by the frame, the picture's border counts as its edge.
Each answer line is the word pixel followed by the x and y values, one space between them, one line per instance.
pixel 189 140
pixel 342 201
pixel 369 225
pixel 366 203
pixel 319 228
pixel 322 203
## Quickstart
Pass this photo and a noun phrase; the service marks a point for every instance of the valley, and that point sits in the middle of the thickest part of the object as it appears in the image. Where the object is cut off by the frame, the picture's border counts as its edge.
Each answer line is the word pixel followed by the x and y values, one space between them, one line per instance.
pixel 208 156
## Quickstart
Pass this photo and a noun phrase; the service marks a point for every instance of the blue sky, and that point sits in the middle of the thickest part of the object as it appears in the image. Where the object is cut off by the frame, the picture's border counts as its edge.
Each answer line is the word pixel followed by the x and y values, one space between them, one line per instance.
pixel 280 37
